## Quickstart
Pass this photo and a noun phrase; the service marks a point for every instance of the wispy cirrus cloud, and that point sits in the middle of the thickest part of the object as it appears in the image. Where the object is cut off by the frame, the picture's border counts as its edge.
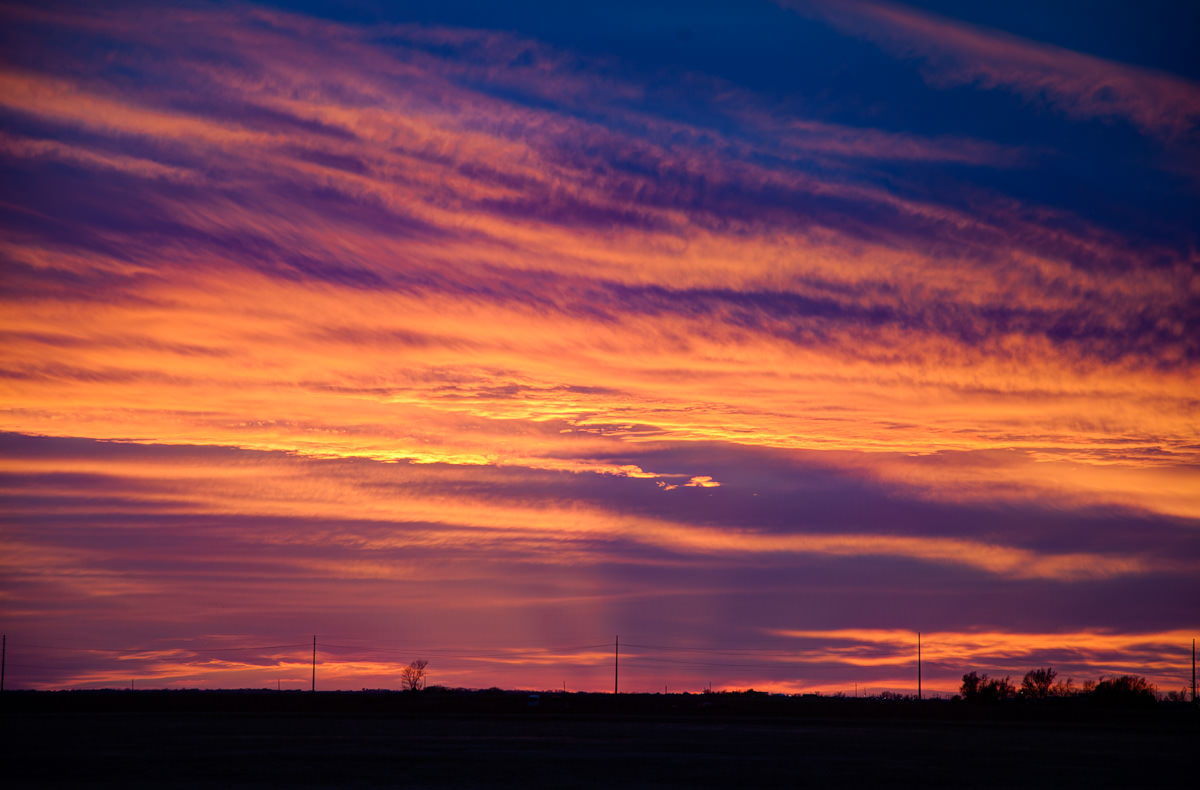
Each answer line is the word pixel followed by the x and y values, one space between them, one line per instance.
pixel 352 315
pixel 957 53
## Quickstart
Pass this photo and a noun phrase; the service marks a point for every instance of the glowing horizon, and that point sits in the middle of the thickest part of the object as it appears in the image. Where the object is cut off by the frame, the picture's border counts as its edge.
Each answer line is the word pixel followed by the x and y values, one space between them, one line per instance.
pixel 1084 656
pixel 522 329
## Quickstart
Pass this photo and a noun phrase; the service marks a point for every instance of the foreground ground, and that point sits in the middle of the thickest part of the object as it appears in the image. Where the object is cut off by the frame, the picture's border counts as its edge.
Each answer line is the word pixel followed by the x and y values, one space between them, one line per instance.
pixel 382 741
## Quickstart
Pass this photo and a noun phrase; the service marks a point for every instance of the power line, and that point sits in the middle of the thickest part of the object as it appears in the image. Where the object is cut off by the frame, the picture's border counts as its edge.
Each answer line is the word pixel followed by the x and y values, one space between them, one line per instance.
pixel 252 647
pixel 689 648
pixel 688 663
pixel 127 650
pixel 504 654
pixel 419 649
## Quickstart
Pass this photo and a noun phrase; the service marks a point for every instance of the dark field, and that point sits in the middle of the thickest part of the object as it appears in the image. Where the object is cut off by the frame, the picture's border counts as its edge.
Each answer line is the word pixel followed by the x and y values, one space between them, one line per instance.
pixel 179 739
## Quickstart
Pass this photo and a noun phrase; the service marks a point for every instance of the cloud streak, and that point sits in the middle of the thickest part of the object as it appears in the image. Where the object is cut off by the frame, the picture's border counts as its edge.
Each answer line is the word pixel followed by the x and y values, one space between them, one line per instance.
pixel 955 53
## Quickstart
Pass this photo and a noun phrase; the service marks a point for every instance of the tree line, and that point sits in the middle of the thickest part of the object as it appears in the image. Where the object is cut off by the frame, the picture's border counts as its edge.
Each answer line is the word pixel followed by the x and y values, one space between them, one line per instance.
pixel 1040 684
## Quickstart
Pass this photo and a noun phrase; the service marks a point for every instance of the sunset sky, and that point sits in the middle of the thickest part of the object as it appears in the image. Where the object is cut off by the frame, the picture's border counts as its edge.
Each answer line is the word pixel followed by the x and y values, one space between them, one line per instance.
pixel 762 334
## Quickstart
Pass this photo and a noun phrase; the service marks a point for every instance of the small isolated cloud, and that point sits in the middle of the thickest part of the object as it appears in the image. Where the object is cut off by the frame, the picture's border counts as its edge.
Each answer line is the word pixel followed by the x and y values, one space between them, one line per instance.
pixel 666 486
pixel 702 481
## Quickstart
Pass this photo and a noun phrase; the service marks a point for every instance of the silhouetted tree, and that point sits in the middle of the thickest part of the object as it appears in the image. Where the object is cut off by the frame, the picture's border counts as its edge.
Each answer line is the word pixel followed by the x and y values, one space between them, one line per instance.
pixel 1124 690
pixel 999 689
pixel 1038 682
pixel 413 675
pixel 1064 688
pixel 981 688
pixel 1183 695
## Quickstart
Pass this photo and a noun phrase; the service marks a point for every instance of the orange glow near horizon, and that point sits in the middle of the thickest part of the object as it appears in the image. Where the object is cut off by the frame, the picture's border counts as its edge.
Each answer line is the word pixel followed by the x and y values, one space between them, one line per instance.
pixel 876 660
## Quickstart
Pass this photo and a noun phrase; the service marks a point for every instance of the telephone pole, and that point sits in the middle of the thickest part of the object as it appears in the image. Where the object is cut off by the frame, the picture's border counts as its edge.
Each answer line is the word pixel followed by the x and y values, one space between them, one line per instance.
pixel 918 665
pixel 314 674
pixel 4 660
pixel 1193 673
pixel 616 663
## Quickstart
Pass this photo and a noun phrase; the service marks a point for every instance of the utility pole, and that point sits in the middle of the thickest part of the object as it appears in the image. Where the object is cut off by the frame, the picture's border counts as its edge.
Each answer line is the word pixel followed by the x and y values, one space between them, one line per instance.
pixel 1193 673
pixel 616 663
pixel 314 674
pixel 918 665
pixel 4 660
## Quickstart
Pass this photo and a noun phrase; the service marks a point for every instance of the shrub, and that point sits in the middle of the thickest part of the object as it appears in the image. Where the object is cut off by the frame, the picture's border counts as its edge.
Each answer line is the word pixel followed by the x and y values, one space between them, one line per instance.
pixel 982 689
pixel 1124 690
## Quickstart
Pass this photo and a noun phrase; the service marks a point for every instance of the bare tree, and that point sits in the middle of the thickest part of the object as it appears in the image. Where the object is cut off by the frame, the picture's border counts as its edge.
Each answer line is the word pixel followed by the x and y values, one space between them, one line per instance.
pixel 413 675
pixel 1064 688
pixel 981 688
pixel 1037 683
pixel 1183 695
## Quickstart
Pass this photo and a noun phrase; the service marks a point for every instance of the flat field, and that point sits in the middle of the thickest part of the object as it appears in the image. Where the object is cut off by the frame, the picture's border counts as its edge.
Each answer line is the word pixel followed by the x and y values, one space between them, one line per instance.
pixel 326 743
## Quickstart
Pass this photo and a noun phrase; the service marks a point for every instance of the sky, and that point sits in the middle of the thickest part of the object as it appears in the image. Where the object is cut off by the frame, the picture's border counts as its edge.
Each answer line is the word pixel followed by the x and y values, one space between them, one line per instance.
pixel 762 335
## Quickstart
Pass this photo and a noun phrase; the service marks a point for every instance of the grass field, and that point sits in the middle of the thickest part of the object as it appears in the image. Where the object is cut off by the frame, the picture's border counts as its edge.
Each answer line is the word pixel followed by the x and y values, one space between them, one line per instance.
pixel 329 741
